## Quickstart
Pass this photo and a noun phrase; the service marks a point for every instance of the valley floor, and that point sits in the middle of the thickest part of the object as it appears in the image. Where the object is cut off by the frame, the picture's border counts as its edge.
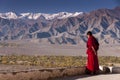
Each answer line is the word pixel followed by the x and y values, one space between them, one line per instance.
pixel 31 48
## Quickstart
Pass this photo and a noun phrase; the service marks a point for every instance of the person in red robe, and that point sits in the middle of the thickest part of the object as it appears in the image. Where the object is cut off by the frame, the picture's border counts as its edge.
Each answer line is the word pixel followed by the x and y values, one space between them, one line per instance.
pixel 92 59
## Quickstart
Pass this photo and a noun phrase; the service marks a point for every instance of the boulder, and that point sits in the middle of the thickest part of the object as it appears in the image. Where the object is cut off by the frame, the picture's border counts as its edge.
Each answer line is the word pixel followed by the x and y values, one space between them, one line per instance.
pixel 116 70
pixel 104 69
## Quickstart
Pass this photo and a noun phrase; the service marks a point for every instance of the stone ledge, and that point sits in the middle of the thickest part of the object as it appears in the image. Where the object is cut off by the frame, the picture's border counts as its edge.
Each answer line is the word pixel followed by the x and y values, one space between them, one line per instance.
pixel 49 73
pixel 41 74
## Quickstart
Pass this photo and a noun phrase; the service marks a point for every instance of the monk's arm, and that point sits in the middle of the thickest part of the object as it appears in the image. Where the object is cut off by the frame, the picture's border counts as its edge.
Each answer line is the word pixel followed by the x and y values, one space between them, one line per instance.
pixel 94 50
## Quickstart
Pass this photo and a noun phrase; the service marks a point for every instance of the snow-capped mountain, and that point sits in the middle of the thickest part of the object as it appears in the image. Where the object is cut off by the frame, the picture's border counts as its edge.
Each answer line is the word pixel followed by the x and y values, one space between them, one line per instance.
pixel 9 15
pixel 34 16
pixel 63 27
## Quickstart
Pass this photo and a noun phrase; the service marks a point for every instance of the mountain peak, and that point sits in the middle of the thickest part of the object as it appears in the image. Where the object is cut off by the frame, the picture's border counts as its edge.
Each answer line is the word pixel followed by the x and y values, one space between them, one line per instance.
pixel 8 15
pixel 34 16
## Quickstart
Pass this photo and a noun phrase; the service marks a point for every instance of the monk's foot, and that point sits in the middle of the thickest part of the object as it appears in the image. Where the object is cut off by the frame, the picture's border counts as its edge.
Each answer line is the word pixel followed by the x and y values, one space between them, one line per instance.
pixel 94 73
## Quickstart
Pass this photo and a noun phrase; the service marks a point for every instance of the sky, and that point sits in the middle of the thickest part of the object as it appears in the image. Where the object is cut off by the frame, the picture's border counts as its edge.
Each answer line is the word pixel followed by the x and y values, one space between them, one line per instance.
pixel 55 6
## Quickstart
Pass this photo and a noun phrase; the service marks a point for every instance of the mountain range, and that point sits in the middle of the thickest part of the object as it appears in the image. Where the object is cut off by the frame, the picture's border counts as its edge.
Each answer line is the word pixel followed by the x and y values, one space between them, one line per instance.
pixel 63 27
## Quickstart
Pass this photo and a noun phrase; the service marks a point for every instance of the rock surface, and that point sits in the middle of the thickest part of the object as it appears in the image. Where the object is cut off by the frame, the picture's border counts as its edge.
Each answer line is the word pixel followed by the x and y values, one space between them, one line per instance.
pixel 28 73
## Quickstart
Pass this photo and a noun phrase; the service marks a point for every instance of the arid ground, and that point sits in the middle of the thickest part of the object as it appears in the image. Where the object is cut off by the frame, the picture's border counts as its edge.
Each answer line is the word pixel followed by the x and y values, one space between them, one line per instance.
pixel 35 48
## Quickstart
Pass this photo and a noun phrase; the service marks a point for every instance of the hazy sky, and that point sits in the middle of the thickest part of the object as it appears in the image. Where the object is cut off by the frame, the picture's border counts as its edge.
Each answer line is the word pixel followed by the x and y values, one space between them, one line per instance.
pixel 53 6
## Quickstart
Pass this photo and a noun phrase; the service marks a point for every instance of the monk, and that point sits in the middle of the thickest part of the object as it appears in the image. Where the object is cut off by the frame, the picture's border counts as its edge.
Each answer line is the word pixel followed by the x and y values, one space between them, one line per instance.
pixel 92 59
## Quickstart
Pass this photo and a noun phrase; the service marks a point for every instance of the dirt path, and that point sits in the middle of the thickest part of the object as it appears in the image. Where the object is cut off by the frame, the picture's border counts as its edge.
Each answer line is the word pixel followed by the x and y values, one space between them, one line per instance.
pixel 97 77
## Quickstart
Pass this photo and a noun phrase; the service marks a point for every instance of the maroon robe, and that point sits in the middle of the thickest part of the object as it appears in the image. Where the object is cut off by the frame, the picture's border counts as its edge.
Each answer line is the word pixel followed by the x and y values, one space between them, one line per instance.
pixel 92 59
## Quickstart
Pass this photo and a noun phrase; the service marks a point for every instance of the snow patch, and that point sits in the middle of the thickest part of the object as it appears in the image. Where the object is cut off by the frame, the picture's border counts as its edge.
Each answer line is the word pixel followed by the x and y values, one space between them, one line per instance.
pixel 34 16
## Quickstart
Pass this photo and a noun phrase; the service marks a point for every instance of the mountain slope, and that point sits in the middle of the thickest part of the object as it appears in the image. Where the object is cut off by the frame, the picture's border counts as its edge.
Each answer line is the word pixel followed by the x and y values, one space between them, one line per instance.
pixel 62 28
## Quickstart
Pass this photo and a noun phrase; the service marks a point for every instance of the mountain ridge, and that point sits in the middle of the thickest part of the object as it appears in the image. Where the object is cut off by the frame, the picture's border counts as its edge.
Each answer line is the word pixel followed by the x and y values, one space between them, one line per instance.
pixel 34 16
pixel 104 23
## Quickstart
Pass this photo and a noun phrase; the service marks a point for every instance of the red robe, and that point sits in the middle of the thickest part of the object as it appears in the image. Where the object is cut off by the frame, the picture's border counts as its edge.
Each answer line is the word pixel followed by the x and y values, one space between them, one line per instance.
pixel 92 59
